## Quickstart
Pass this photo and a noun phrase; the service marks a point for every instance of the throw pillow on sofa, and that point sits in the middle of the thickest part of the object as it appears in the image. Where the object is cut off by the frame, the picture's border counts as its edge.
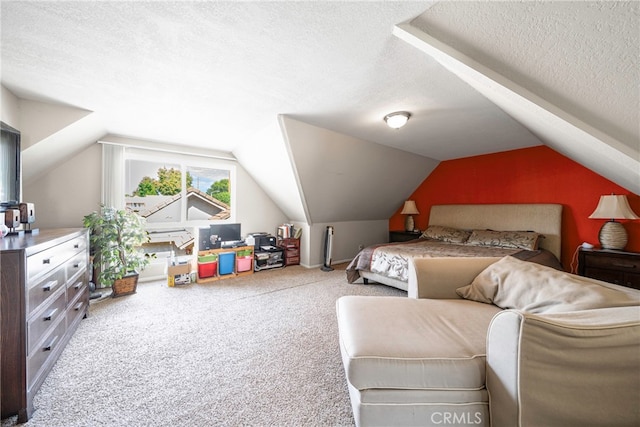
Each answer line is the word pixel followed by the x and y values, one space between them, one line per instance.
pixel 511 283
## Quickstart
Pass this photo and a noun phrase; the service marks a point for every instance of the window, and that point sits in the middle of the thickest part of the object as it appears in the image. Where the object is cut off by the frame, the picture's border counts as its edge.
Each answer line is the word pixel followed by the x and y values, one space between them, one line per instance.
pixel 178 190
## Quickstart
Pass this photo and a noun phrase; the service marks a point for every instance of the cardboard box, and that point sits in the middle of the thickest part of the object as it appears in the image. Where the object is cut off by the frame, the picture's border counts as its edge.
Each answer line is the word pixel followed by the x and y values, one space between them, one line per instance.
pixel 178 274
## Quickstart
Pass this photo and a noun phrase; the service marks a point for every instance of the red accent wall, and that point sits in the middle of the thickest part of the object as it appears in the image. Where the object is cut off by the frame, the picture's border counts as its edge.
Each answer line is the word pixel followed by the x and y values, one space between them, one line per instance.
pixel 528 175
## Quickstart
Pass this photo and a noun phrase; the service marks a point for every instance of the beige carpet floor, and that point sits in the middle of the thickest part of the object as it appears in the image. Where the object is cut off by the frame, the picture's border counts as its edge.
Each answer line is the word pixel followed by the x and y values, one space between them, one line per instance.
pixel 259 350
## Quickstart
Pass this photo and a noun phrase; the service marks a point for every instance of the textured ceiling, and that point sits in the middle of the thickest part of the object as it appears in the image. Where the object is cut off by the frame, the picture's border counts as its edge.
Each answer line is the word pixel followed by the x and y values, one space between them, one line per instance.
pixel 212 74
pixel 216 74
pixel 582 57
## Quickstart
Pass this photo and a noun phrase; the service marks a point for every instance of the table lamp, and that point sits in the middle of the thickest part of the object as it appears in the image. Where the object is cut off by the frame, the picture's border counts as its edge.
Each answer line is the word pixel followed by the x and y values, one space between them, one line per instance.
pixel 409 209
pixel 612 235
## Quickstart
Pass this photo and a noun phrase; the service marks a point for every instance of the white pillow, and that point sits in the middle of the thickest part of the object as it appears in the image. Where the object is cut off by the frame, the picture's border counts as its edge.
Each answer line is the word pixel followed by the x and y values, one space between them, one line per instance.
pixel 511 283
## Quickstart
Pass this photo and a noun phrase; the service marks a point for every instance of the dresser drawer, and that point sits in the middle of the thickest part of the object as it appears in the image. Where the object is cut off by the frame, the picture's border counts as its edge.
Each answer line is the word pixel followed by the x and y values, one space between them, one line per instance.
pixel 44 351
pixel 45 318
pixel 631 280
pixel 292 260
pixel 75 287
pixel 76 265
pixel 610 276
pixel 614 262
pixel 76 310
pixel 293 253
pixel 47 260
pixel 45 288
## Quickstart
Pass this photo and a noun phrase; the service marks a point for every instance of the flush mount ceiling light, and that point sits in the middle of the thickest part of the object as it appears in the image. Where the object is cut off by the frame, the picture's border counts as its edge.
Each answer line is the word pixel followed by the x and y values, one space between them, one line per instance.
pixel 397 120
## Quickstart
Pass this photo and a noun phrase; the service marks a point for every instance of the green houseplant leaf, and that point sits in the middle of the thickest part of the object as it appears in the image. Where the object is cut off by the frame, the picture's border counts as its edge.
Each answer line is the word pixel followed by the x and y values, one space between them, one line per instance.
pixel 116 238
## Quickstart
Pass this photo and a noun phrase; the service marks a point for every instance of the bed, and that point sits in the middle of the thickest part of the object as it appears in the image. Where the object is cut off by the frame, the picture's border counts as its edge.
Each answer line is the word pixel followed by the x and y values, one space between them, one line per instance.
pixel 527 231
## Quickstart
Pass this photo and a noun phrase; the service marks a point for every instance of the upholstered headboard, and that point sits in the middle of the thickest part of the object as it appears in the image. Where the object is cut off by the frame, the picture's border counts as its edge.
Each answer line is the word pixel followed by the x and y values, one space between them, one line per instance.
pixel 542 218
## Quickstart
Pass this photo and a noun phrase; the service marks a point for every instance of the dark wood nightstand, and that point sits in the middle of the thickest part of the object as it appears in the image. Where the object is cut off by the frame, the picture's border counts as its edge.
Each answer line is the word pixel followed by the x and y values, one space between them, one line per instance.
pixel 621 268
pixel 403 236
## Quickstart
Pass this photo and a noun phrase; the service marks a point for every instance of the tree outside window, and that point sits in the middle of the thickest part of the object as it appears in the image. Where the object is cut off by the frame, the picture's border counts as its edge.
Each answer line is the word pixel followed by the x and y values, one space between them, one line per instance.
pixel 174 193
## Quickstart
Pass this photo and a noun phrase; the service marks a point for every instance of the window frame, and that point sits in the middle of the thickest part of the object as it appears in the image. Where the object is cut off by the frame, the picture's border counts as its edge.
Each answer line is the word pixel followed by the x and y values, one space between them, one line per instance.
pixel 184 161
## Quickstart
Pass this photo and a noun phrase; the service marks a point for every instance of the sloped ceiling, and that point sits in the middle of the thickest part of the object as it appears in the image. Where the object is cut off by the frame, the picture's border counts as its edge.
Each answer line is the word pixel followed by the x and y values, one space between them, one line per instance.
pixel 605 38
pixel 217 75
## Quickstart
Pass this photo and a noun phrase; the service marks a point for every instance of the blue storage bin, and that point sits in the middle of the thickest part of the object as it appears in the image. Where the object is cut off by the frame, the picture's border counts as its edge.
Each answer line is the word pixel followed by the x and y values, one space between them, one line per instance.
pixel 226 262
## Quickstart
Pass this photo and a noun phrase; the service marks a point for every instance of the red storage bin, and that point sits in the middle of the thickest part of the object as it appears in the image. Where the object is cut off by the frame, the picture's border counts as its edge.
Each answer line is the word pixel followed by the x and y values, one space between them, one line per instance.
pixel 207 269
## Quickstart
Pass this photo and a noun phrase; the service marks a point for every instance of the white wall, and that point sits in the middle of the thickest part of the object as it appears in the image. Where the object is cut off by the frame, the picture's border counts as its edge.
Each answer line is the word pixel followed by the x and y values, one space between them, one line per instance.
pixel 9 111
pixel 67 193
pixel 256 210
pixel 72 189
pixel 348 183
pixel 64 194
pixel 347 239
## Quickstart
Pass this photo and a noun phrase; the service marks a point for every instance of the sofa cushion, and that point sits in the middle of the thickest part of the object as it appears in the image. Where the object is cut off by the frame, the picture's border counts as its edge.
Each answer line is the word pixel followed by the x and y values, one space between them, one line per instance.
pixel 405 343
pixel 511 283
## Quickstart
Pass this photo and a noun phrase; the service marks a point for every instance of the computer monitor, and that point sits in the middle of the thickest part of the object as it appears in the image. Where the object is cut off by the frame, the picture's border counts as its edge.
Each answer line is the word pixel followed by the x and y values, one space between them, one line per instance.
pixel 226 232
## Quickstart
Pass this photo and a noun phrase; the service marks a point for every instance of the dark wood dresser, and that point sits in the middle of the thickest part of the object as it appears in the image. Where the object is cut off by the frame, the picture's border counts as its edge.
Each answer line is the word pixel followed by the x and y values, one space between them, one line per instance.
pixel 619 267
pixel 44 294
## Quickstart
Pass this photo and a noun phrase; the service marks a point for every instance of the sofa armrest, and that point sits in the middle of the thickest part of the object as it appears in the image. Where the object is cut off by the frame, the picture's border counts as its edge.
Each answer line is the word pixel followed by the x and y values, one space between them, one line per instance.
pixel 572 368
pixel 440 277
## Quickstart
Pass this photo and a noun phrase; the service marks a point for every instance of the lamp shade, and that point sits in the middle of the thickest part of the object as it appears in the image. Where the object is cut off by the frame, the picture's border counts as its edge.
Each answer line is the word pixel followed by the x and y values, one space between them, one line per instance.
pixel 613 207
pixel 410 208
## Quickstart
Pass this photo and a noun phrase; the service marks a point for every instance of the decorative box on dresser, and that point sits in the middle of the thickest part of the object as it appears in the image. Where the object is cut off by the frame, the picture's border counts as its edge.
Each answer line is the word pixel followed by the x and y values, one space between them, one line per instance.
pixel 291 248
pixel 619 267
pixel 44 295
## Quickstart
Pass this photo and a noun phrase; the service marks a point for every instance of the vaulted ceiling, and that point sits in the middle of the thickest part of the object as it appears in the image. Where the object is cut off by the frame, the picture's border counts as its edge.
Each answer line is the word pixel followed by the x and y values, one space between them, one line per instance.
pixel 478 77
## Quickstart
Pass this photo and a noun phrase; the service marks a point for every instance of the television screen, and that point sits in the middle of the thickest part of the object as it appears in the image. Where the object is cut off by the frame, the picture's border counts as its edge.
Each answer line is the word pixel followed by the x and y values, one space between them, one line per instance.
pixel 226 232
pixel 9 166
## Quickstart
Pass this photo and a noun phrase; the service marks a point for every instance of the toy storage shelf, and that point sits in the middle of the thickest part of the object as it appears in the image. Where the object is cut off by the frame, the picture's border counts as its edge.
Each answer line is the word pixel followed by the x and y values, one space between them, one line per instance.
pixel 225 268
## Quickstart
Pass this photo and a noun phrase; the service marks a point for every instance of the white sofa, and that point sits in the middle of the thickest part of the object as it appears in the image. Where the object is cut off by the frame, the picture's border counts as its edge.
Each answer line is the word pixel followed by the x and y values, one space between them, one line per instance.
pixel 564 352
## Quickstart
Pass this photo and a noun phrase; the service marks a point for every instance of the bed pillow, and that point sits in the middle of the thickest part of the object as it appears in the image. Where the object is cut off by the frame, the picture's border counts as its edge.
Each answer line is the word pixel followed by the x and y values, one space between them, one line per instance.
pixel 511 283
pixel 505 239
pixel 445 234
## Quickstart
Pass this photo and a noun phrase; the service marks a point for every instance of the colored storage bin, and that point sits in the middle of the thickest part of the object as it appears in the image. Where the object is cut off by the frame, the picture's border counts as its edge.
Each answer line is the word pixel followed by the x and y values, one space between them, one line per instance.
pixel 207 266
pixel 207 269
pixel 244 263
pixel 207 258
pixel 227 261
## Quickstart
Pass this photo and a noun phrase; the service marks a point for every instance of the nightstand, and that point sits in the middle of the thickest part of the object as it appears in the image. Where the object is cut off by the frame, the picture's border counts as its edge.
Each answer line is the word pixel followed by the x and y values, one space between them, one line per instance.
pixel 619 267
pixel 403 236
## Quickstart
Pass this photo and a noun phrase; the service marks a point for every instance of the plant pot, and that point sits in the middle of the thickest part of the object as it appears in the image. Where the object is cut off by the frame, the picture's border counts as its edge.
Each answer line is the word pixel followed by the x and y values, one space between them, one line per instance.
pixel 125 286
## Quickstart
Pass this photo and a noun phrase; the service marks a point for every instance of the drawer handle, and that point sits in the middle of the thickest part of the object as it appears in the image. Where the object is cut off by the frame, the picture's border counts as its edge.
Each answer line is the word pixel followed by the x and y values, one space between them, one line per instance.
pixel 49 346
pixel 47 260
pixel 78 306
pixel 49 316
pixel 615 264
pixel 47 286
pixel 77 286
pixel 76 245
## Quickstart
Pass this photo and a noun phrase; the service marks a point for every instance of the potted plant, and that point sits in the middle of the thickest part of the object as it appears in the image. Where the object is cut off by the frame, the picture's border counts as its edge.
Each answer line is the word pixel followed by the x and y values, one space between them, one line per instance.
pixel 116 238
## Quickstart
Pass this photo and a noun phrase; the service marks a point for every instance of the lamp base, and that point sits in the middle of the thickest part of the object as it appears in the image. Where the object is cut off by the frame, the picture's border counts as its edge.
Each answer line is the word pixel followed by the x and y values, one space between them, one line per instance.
pixel 613 235
pixel 409 224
